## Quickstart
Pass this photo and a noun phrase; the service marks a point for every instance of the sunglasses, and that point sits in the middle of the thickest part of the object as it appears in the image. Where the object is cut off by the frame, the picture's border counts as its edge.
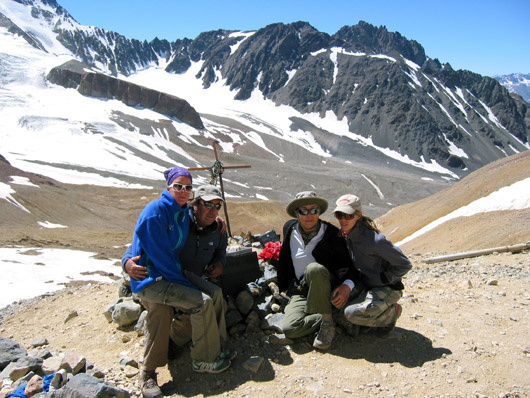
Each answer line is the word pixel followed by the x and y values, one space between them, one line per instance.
pixel 339 215
pixel 211 205
pixel 305 212
pixel 180 187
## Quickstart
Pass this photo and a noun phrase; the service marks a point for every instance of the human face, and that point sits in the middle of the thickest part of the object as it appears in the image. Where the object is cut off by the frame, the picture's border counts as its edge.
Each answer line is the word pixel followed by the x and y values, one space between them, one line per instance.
pixel 309 221
pixel 181 197
pixel 207 216
pixel 347 223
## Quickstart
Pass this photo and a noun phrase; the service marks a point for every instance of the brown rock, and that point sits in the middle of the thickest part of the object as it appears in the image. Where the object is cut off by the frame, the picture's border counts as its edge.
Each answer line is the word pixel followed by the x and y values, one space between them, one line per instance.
pixel 34 386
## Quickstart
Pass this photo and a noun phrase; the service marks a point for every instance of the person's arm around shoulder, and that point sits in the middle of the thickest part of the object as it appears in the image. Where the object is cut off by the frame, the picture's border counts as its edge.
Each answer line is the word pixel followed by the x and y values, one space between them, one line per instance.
pixel 220 220
pixel 131 267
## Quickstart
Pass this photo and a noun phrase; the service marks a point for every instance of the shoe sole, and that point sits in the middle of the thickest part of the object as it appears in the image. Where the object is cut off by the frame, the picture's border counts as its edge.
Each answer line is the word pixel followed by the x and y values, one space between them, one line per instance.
pixel 199 370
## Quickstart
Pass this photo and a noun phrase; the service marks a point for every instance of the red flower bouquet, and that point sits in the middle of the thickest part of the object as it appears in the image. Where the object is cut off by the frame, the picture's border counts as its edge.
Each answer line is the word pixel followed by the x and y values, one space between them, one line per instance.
pixel 271 252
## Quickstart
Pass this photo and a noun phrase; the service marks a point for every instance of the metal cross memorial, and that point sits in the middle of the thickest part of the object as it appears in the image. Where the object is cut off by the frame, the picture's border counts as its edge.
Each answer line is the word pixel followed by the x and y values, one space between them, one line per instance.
pixel 216 172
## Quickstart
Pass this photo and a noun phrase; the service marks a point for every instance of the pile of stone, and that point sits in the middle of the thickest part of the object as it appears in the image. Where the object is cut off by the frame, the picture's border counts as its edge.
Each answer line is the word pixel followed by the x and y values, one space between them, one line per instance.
pixel 256 307
pixel 40 373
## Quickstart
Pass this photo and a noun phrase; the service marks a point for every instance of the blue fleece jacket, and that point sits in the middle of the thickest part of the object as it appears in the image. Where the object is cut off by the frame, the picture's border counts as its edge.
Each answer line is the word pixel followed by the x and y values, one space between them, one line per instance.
pixel 21 391
pixel 159 236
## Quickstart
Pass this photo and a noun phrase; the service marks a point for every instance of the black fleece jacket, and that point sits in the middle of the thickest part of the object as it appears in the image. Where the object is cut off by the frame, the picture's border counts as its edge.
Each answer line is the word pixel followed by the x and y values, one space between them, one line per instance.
pixel 331 252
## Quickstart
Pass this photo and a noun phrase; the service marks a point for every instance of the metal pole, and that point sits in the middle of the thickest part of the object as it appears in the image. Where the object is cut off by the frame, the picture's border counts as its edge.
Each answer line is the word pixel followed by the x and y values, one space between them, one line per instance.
pixel 222 190
pixel 475 253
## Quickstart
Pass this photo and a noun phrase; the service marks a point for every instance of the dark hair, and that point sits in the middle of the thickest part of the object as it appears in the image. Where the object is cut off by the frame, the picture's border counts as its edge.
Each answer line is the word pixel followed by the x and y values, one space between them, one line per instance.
pixel 368 222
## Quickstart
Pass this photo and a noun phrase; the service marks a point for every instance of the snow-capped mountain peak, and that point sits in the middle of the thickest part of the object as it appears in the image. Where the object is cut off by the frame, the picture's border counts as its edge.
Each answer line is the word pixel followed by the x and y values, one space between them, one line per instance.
pixel 365 107
pixel 518 83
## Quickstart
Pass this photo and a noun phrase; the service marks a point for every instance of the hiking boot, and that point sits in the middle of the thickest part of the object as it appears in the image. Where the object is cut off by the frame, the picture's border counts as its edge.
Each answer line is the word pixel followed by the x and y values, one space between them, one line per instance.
pixel 217 366
pixel 350 329
pixel 150 387
pixel 365 329
pixel 324 336
pixel 388 330
pixel 228 354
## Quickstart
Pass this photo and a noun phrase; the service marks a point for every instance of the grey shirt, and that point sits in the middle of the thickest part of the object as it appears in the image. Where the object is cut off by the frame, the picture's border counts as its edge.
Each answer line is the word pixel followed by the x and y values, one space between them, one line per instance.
pixel 379 262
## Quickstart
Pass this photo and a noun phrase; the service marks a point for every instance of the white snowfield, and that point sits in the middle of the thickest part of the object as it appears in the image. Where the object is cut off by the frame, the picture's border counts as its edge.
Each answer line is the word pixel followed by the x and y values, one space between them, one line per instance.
pixel 30 272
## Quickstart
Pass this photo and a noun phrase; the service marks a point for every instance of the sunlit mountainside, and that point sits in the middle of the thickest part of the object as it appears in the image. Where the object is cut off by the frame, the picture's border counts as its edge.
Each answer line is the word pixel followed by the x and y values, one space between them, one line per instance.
pixel 363 110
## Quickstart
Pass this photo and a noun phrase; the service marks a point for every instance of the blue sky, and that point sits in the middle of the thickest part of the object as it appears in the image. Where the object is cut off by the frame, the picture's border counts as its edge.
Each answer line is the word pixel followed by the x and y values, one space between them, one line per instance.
pixel 487 37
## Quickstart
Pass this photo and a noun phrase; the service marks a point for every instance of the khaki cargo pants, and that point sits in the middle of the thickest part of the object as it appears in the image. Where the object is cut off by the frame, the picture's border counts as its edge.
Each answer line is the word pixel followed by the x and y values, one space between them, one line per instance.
pixel 373 308
pixel 206 308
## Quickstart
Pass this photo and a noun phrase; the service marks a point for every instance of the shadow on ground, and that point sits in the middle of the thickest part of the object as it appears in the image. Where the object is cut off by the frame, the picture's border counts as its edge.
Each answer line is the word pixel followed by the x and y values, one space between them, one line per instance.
pixel 188 383
pixel 406 347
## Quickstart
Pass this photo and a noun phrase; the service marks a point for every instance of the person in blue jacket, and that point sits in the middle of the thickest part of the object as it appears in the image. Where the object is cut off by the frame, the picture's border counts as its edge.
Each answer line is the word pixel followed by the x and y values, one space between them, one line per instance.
pixel 160 234
pixel 161 231
pixel 373 303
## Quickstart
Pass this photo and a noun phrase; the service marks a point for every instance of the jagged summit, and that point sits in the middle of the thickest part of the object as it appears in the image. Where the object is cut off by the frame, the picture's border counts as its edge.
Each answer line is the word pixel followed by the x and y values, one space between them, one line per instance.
pixel 363 107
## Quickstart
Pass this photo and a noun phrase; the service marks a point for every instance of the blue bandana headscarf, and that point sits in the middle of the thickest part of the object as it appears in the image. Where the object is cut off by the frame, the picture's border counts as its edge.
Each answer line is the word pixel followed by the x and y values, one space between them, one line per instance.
pixel 175 172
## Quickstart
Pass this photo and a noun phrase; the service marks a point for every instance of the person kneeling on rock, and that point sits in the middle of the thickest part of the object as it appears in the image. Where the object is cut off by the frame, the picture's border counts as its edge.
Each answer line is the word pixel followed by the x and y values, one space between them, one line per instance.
pixel 313 260
pixel 373 304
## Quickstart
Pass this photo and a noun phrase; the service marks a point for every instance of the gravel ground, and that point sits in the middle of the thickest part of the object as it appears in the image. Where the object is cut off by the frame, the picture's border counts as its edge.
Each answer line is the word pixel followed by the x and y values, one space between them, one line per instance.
pixel 464 332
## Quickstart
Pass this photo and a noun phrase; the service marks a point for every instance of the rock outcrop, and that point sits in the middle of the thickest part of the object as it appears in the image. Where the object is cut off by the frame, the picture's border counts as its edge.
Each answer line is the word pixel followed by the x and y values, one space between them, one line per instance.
pixel 66 374
pixel 73 74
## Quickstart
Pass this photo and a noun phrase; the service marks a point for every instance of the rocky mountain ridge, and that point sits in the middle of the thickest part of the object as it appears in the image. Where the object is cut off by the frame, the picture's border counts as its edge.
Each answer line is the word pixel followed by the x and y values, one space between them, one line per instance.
pixel 397 104
pixel 366 103
pixel 372 82
pixel 98 85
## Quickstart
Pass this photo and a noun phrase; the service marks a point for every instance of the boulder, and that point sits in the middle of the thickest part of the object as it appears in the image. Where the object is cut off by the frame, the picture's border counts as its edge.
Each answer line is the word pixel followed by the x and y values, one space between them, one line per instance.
pixel 126 312
pixel 244 302
pixel 9 351
pixel 83 385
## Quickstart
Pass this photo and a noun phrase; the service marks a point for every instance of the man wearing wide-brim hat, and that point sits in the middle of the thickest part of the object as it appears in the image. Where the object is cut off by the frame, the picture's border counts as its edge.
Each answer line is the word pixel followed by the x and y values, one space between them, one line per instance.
pixel 313 260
